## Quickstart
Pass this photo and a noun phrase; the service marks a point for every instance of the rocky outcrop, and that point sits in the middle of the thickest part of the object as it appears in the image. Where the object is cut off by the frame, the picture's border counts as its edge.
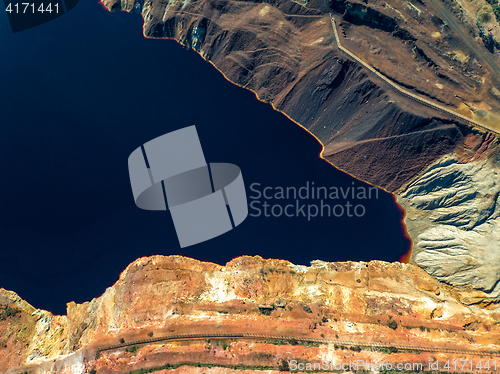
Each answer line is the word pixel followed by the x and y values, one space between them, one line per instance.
pixel 453 217
pixel 375 302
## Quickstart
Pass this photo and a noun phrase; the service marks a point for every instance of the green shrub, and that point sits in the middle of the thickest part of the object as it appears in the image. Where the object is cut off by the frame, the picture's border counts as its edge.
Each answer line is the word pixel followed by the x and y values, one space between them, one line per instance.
pixel 266 311
pixel 393 325
pixel 224 344
pixel 496 10
pixel 8 312
pixel 283 366
pixel 484 14
pixel 132 349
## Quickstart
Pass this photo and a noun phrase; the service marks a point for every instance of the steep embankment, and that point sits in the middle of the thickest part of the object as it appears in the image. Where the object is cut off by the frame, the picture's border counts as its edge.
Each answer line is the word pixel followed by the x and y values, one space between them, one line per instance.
pixel 361 303
pixel 287 54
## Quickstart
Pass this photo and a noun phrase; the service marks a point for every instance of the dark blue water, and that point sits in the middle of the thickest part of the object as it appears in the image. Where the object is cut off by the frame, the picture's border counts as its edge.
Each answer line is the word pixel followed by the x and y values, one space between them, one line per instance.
pixel 77 96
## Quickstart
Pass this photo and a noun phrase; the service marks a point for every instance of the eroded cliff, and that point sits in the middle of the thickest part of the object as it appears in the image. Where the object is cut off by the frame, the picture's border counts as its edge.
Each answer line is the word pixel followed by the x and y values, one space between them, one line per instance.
pixel 353 305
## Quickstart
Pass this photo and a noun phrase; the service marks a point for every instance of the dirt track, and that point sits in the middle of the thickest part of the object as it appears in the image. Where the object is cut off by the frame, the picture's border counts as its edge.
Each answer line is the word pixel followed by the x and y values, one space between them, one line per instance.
pixel 420 100
pixel 455 25
pixel 292 338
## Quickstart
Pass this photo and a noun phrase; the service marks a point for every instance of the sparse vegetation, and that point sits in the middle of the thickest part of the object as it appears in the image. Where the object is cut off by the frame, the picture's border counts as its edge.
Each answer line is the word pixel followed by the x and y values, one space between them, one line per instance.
pixel 293 342
pixel 484 14
pixel 496 10
pixel 307 309
pixel 266 310
pixel 392 350
pixel 132 349
pixel 386 350
pixel 224 344
pixel 278 341
pixel 122 340
pixel 202 365
pixel 283 366
pixel 309 344
pixel 8 312
pixel 393 325
pixel 207 344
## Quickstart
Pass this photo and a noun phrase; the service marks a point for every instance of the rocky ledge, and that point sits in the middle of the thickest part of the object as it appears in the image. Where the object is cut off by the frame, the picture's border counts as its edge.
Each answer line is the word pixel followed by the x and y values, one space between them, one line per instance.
pixel 353 305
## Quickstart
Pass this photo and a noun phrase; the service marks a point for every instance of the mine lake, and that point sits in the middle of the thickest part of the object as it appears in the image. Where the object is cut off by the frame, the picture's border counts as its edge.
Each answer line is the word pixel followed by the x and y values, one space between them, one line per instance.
pixel 80 93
